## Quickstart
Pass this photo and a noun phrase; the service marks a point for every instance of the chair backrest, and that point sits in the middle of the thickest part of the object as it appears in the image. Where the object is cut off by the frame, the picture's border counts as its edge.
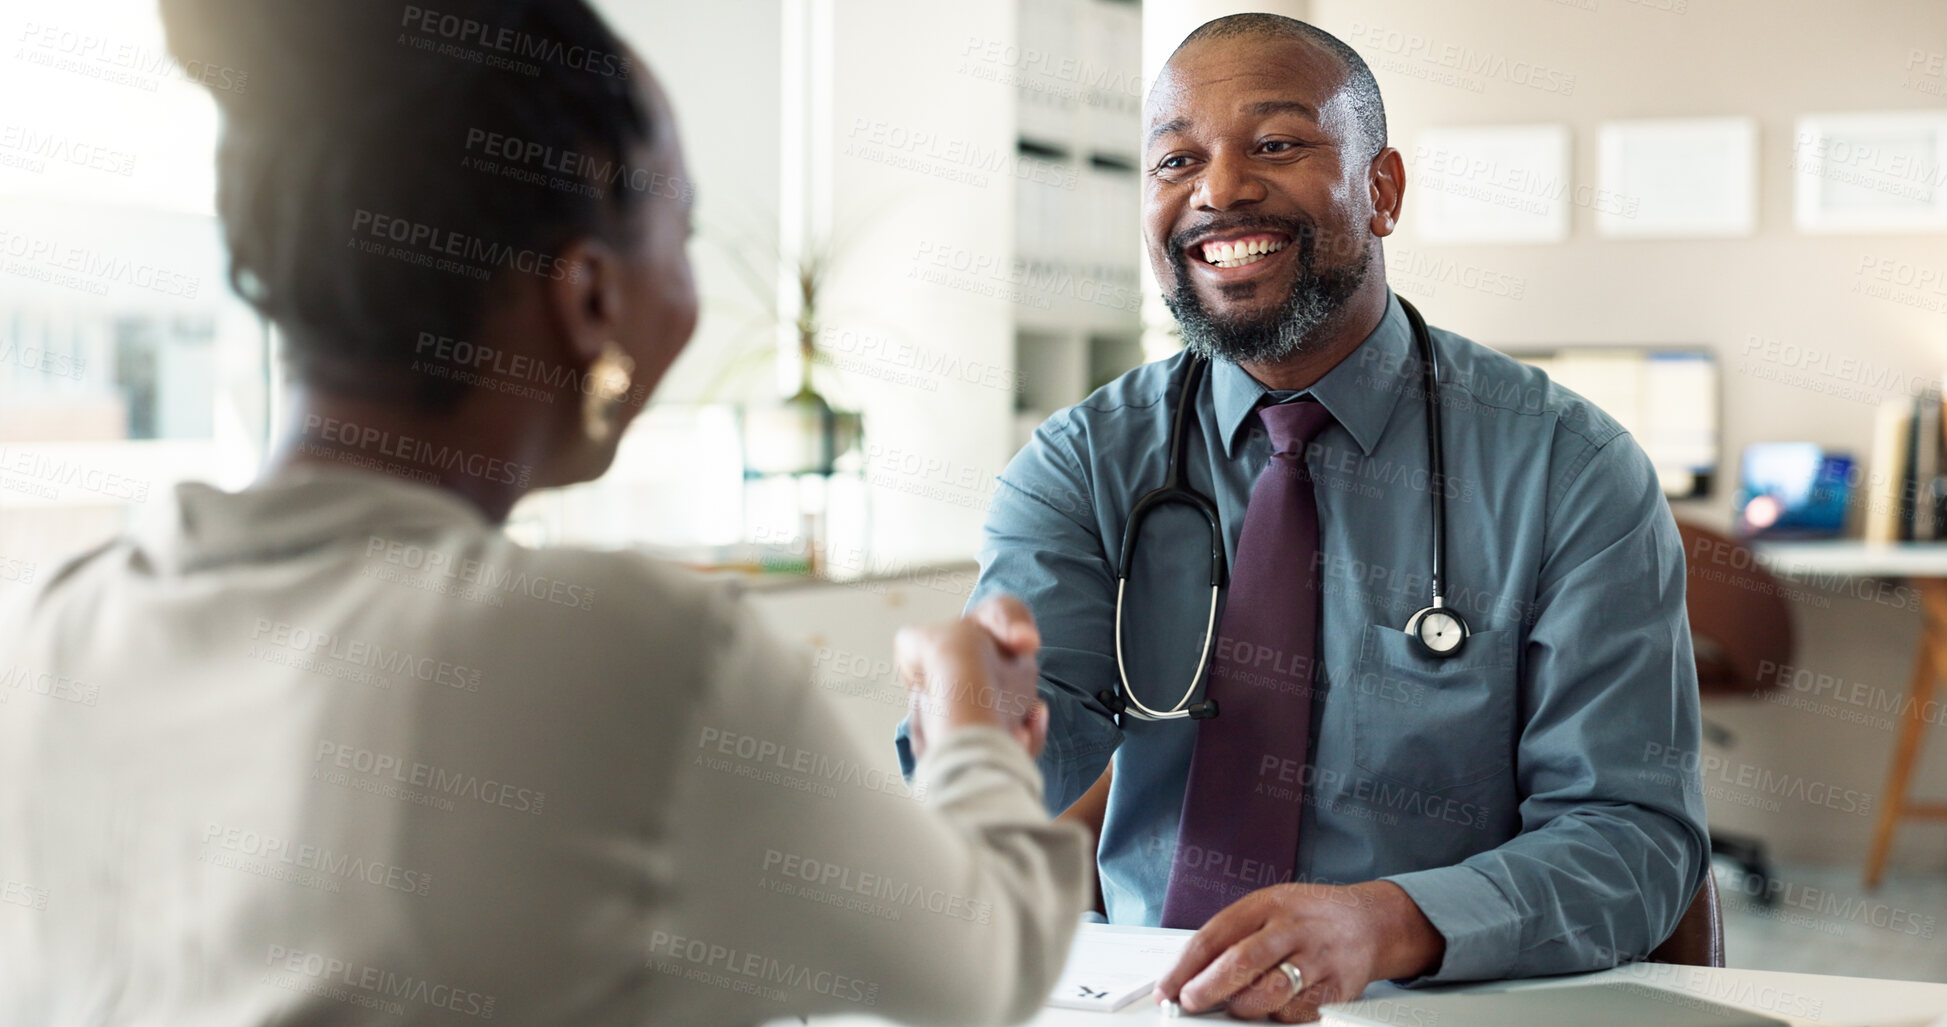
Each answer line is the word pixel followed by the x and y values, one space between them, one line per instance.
pixel 1699 937
pixel 1740 618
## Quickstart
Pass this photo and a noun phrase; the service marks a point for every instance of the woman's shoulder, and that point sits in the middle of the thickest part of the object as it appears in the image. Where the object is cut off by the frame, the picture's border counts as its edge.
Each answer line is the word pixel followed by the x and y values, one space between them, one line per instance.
pixel 621 590
pixel 593 636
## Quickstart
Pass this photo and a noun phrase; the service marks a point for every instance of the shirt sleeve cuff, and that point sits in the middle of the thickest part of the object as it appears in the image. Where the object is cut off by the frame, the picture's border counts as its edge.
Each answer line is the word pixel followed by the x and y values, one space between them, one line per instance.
pixel 1480 925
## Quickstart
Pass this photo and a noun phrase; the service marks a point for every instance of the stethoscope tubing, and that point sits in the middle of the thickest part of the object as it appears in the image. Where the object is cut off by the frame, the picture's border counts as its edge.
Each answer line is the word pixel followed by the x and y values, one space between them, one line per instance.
pixel 1174 490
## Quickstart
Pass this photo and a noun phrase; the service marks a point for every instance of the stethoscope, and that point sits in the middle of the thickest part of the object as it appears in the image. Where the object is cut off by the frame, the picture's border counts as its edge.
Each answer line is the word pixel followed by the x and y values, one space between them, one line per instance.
pixel 1438 630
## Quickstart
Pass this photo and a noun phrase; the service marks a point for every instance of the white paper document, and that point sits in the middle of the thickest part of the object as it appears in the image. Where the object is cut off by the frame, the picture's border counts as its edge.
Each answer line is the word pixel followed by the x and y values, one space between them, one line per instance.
pixel 1110 967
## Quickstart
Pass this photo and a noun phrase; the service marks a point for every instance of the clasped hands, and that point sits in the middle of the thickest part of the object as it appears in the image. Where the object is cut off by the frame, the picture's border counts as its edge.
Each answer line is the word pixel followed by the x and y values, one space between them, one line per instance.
pixel 978 670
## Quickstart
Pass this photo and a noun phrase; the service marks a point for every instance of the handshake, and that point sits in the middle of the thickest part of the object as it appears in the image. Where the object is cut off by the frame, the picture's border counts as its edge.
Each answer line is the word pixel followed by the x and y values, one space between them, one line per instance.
pixel 979 670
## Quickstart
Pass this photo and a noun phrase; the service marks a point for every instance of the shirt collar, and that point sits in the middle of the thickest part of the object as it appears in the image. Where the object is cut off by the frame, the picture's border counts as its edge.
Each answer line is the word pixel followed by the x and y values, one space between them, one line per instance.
pixel 1360 392
pixel 289 511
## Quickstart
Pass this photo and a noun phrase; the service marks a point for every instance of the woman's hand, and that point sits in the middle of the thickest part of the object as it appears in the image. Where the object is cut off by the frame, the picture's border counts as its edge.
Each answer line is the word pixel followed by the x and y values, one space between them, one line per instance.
pixel 979 669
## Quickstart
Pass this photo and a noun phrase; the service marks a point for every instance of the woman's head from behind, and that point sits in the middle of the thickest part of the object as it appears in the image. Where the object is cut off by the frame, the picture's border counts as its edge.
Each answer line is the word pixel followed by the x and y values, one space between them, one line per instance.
pixel 463 216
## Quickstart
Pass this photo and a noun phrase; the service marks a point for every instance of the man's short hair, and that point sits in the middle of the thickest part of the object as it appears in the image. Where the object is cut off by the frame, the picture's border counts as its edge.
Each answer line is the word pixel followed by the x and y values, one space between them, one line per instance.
pixel 1360 87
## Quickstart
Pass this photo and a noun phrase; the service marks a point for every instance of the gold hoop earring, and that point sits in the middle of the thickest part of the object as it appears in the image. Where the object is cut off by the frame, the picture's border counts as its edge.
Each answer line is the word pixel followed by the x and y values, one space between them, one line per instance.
pixel 607 386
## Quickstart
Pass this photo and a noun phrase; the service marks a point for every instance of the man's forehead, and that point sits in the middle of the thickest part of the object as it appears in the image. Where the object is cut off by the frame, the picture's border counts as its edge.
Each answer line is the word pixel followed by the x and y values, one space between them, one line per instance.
pixel 1245 71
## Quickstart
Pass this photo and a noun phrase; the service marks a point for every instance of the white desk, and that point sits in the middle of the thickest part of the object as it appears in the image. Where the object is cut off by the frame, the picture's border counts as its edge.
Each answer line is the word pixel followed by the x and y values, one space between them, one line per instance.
pixel 1923 566
pixel 1805 1000
pixel 1799 561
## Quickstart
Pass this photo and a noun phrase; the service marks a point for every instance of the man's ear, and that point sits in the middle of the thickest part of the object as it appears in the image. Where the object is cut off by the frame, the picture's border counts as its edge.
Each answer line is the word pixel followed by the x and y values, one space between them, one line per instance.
pixel 584 297
pixel 1386 177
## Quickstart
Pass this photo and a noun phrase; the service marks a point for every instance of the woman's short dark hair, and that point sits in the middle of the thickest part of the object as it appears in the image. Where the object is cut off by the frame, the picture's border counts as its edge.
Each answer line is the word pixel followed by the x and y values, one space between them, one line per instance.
pixel 383 165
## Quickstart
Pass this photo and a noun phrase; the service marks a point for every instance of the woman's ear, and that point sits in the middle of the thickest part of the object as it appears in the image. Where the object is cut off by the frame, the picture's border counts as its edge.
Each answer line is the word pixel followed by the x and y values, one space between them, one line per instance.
pixel 584 298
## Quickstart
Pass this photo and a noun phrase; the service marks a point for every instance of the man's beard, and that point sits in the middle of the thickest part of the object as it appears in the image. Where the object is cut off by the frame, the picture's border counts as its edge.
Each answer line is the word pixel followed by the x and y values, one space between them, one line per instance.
pixel 1286 331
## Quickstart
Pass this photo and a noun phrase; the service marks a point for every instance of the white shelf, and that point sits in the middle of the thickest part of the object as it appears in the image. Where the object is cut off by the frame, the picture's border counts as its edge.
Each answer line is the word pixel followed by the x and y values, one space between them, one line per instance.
pixel 1077 244
pixel 1851 558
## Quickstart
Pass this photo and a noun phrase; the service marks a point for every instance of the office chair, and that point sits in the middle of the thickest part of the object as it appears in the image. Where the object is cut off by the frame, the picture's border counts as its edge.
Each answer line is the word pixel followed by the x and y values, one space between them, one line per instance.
pixel 1699 937
pixel 1740 624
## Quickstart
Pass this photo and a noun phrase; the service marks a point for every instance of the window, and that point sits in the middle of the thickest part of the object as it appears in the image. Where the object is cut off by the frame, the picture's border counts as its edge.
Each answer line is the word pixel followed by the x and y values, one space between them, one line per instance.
pixel 126 363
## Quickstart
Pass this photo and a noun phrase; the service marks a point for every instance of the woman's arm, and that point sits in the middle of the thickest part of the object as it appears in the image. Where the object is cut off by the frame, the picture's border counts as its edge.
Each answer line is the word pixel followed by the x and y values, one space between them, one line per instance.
pixel 805 879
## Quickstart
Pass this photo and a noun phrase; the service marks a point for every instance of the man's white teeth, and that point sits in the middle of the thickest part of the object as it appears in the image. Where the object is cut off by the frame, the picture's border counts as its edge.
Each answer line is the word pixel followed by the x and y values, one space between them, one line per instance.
pixel 1225 254
pixel 1251 258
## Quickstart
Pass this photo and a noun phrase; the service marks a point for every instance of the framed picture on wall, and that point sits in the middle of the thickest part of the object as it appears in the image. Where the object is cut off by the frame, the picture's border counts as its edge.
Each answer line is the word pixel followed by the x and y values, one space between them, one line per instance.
pixel 1871 172
pixel 1491 184
pixel 1679 178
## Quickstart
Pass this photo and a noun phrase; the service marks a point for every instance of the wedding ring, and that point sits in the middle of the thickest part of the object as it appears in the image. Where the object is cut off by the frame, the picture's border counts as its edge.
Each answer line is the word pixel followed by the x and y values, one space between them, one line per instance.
pixel 1294 975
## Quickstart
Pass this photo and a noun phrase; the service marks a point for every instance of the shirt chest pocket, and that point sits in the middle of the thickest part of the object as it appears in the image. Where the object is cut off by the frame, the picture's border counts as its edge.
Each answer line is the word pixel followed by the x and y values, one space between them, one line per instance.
pixel 1431 723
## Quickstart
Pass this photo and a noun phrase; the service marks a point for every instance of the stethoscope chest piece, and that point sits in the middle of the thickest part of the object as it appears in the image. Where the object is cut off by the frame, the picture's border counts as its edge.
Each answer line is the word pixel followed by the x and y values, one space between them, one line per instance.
pixel 1439 631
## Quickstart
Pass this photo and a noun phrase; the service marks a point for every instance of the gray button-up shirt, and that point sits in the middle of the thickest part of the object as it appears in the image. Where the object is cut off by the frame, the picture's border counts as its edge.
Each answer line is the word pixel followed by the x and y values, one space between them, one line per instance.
pixel 1524 792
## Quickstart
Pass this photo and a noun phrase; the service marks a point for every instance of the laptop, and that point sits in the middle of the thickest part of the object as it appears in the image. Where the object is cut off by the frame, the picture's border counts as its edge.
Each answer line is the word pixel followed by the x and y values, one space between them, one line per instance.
pixel 1608 1004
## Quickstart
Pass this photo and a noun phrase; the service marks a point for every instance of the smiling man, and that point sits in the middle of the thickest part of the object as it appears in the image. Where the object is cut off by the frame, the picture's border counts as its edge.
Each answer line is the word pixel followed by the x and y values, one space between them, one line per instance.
pixel 1488 796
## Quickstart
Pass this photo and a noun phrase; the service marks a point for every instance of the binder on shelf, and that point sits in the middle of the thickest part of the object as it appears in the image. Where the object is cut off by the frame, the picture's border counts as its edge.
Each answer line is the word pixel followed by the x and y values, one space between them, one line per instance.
pixel 1887 474
pixel 1917 491
pixel 1909 473
pixel 1936 495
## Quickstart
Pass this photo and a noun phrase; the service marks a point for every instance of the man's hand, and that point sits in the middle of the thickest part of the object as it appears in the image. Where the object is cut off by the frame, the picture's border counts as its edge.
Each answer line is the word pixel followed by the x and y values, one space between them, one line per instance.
pixel 1341 938
pixel 979 669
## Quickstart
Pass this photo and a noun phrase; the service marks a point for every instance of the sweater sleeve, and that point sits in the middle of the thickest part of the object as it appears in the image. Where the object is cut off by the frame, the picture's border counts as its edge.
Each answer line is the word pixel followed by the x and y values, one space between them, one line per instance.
pixel 806 877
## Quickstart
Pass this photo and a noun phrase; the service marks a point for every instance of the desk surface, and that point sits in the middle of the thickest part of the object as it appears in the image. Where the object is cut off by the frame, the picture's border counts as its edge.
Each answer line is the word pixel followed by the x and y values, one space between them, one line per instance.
pixel 1853 558
pixel 1806 1000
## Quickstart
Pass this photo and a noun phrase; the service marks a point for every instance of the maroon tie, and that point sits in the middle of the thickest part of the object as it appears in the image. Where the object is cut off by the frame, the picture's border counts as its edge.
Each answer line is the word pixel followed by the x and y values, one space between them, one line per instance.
pixel 1239 830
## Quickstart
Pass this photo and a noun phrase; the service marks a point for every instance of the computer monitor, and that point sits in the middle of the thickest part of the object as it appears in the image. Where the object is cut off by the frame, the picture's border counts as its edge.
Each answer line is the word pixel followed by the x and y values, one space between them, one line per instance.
pixel 1792 490
pixel 1666 397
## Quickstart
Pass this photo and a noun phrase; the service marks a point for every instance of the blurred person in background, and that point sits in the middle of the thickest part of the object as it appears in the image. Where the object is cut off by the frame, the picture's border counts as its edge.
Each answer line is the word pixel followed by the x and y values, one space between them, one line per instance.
pixel 333 749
